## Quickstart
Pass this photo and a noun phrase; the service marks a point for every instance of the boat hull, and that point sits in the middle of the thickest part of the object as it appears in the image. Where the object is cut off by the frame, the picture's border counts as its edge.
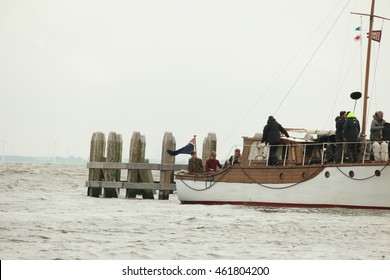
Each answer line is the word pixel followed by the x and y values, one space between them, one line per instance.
pixel 347 186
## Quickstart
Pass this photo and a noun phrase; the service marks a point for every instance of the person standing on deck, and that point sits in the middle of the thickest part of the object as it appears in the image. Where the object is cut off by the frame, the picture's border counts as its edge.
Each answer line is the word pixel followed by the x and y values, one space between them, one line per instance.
pixel 271 136
pixel 195 164
pixel 386 136
pixel 351 132
pixel 339 135
pixel 376 136
pixel 377 126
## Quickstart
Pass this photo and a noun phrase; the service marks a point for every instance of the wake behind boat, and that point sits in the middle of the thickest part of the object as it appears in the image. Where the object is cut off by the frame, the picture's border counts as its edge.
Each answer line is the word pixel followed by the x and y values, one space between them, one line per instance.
pixel 305 177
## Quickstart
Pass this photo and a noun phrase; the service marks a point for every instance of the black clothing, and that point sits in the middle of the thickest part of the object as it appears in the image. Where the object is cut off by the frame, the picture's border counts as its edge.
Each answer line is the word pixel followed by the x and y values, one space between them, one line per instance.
pixel 339 129
pixel 386 132
pixel 351 130
pixel 271 136
pixel 339 138
pixel 351 134
pixel 271 132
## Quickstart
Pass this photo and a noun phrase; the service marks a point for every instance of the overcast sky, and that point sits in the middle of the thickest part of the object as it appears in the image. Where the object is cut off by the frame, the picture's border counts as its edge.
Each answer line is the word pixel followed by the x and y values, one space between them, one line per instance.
pixel 70 68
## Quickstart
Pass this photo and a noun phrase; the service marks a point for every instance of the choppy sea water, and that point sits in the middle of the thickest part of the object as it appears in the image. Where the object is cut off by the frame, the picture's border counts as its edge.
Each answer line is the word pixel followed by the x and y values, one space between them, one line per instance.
pixel 46 214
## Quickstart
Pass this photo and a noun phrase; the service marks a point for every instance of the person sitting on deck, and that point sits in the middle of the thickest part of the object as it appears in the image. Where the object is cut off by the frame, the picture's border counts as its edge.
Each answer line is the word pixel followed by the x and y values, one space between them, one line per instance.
pixel 271 136
pixel 212 163
pixel 234 159
pixel 195 164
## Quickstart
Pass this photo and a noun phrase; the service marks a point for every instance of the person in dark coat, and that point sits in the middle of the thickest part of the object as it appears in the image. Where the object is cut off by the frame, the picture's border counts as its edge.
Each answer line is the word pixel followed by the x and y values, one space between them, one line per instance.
pixel 351 132
pixel 339 135
pixel 386 134
pixel 271 136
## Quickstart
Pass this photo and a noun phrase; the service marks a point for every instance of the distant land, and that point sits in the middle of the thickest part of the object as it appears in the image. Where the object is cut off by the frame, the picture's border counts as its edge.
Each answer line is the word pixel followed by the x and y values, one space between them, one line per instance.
pixel 59 160
pixel 63 160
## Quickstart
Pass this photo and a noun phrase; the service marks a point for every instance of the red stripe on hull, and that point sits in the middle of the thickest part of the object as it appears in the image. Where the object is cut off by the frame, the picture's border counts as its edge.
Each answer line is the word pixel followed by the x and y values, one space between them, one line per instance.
pixel 291 205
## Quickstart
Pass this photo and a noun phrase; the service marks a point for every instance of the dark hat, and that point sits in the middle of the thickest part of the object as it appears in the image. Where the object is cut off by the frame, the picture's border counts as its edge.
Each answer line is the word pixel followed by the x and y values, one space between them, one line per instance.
pixel 271 119
pixel 342 113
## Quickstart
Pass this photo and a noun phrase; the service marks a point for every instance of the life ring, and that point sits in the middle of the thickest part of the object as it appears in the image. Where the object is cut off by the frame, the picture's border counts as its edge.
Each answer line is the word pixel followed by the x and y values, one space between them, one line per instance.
pixel 262 151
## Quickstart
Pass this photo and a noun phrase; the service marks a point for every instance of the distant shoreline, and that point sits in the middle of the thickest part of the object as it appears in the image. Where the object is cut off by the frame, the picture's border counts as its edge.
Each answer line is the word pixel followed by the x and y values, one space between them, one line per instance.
pixel 61 160
pixel 57 160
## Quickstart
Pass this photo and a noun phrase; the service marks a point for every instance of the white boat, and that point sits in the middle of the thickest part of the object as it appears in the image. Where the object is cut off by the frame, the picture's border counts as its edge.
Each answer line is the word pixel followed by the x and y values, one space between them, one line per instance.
pixel 304 178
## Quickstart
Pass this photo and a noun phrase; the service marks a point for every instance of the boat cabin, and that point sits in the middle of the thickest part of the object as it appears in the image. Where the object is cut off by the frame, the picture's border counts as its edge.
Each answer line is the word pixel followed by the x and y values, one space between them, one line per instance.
pixel 292 151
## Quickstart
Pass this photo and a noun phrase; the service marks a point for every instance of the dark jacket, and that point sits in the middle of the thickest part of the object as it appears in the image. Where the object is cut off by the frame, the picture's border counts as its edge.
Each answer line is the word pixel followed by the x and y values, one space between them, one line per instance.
pixel 271 132
pixel 351 128
pixel 339 129
pixel 386 132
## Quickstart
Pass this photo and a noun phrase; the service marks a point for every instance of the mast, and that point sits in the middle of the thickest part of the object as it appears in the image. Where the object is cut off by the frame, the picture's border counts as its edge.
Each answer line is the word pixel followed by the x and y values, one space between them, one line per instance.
pixel 365 96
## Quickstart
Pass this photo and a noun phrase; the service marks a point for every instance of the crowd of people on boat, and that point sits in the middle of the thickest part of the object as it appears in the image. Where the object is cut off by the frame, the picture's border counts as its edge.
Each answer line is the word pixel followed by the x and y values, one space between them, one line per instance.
pixel 348 130
pixel 195 164
pixel 346 137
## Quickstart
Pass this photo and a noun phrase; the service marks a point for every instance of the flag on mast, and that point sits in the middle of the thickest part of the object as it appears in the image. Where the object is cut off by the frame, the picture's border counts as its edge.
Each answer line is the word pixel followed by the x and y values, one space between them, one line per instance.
pixel 357 28
pixel 357 38
pixel 376 35
pixel 187 149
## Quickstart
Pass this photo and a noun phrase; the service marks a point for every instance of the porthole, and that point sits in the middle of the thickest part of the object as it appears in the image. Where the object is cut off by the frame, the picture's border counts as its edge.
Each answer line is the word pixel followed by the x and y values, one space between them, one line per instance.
pixel 281 176
pixel 351 174
pixel 304 175
pixel 327 174
pixel 377 173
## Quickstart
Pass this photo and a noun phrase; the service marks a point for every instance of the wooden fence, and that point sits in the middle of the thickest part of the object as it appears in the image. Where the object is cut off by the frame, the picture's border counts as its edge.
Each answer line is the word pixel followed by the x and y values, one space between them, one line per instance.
pixel 105 167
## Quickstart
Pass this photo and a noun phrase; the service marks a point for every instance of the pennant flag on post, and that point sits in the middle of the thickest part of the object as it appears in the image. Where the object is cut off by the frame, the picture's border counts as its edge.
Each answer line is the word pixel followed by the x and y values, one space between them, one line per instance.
pixel 357 28
pixel 188 149
pixel 357 38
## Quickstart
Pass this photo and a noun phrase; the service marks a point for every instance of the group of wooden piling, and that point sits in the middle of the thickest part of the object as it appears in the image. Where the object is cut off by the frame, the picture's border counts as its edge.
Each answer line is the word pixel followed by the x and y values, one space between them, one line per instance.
pixel 105 166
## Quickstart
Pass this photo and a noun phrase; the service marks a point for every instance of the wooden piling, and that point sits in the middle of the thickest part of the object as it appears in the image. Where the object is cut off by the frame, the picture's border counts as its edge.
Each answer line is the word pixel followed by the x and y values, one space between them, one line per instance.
pixel 166 177
pixel 114 154
pixel 209 145
pixel 137 155
pixel 145 176
pixel 97 151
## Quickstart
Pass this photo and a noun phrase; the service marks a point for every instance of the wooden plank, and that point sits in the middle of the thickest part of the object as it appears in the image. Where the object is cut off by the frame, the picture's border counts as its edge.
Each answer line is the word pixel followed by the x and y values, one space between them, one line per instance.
pixel 130 185
pixel 136 166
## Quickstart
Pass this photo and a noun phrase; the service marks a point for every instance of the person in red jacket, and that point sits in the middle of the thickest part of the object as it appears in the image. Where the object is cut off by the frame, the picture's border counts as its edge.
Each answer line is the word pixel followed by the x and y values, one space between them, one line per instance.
pixel 212 163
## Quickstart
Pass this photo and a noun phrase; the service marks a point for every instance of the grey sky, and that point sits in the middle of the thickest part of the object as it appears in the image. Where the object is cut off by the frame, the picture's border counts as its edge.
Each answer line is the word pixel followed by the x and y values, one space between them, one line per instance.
pixel 69 68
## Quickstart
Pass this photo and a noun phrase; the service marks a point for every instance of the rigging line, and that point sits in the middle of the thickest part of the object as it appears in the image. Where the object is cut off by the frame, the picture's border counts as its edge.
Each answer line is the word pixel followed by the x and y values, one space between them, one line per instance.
pixel 343 82
pixel 311 58
pixel 339 82
pixel 280 73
